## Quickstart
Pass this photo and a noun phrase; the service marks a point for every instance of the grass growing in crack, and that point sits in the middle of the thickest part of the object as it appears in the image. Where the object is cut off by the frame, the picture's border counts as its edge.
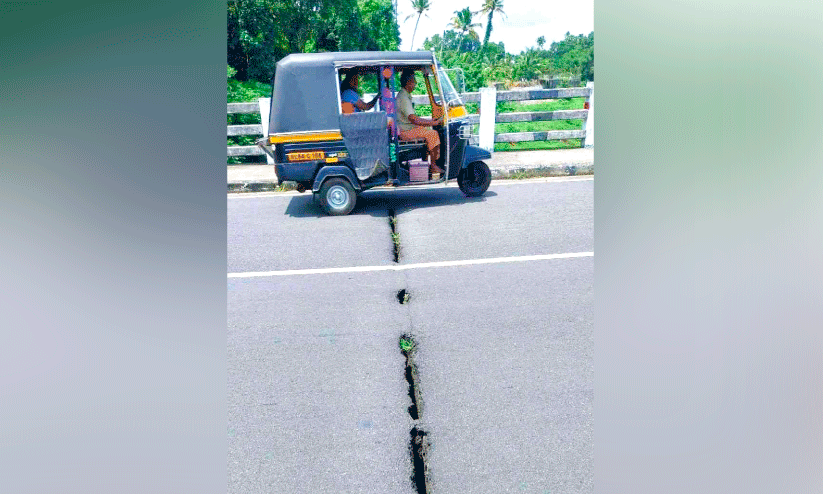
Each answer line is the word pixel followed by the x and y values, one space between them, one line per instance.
pixel 395 237
pixel 406 344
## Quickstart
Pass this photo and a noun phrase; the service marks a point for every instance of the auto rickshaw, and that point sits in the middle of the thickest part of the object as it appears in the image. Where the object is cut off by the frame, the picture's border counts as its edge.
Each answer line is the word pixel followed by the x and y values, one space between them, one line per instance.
pixel 317 141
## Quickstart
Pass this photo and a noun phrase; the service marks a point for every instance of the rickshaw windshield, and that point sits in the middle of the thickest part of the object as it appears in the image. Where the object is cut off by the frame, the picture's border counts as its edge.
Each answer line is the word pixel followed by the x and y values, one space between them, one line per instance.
pixel 452 98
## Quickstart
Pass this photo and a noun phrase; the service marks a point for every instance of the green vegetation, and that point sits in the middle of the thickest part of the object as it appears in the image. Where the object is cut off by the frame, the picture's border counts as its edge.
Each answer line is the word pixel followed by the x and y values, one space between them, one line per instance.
pixel 240 91
pixel 406 344
pixel 545 105
pixel 537 145
pixel 549 105
pixel 483 65
pixel 261 32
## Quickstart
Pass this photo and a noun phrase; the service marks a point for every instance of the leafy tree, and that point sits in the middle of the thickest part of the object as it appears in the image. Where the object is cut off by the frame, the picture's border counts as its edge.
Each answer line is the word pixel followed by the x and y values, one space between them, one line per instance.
pixel 587 71
pixel 419 6
pixel 244 91
pixel 541 41
pixel 260 32
pixel 489 8
pixel 379 25
pixel 529 66
pixel 572 54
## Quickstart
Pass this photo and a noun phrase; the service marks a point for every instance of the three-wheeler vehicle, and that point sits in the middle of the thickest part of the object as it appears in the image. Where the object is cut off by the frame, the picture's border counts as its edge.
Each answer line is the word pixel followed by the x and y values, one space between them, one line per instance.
pixel 319 142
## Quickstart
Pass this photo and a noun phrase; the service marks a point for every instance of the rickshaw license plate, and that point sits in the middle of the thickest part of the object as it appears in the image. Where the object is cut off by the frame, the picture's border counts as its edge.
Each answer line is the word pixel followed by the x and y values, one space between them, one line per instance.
pixel 306 156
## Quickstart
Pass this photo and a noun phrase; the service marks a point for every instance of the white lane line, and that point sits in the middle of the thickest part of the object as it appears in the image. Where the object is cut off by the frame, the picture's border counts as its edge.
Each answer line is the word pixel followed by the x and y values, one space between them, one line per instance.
pixel 402 267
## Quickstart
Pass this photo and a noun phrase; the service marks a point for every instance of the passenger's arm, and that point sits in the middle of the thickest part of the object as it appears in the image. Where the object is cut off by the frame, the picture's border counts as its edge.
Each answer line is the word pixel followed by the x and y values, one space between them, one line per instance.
pixel 363 106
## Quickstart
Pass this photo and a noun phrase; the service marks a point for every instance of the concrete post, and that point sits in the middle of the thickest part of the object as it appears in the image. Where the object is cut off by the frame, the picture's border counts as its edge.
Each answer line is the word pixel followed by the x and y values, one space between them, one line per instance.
pixel 588 123
pixel 488 115
pixel 265 105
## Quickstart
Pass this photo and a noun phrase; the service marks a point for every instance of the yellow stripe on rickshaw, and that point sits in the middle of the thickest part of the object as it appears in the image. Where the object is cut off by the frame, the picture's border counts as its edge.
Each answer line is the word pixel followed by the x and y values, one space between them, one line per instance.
pixel 305 137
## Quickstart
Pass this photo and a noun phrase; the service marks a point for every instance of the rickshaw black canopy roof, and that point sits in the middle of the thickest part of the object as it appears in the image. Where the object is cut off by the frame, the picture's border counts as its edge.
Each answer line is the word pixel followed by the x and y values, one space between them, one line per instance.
pixel 305 86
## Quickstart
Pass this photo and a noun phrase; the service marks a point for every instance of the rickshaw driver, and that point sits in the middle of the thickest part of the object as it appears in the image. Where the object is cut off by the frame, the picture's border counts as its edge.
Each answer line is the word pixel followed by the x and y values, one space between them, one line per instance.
pixel 349 93
pixel 413 127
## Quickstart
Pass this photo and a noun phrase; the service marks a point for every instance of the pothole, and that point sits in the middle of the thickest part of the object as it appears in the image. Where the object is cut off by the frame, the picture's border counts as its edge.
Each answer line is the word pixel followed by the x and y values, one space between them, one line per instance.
pixel 403 297
pixel 395 236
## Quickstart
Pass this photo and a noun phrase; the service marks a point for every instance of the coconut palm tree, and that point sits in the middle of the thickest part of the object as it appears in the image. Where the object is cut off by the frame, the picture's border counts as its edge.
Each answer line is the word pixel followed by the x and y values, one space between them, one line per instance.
pixel 420 7
pixel 462 22
pixel 489 8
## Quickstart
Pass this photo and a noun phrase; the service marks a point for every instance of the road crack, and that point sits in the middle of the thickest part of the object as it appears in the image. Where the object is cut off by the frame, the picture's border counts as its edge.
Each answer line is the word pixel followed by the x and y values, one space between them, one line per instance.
pixel 395 235
pixel 418 442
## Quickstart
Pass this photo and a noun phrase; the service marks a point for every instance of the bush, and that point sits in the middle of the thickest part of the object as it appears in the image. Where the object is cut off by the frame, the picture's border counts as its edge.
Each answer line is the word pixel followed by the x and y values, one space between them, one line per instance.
pixel 245 91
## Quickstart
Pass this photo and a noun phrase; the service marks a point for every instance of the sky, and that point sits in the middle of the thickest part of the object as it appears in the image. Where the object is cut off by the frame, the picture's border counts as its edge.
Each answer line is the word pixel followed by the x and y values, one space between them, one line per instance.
pixel 525 21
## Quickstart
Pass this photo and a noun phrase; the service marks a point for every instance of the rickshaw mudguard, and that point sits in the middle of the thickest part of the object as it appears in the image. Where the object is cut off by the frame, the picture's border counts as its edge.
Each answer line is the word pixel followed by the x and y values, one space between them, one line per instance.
pixel 335 171
pixel 474 153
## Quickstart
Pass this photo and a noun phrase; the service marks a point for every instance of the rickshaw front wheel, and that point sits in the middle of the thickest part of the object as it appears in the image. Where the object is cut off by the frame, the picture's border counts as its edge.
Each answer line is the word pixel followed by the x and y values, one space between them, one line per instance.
pixel 475 179
pixel 337 196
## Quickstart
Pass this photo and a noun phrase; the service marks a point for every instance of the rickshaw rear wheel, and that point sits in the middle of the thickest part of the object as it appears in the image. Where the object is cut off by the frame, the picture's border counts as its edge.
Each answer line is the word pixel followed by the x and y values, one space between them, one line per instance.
pixel 475 179
pixel 337 196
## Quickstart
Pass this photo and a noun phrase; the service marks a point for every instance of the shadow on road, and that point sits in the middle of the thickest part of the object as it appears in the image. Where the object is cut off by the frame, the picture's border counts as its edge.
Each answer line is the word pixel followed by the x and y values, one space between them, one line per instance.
pixel 377 202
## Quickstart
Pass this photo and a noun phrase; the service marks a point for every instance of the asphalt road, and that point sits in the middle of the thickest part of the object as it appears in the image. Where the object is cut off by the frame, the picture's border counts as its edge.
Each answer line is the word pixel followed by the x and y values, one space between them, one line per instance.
pixel 317 393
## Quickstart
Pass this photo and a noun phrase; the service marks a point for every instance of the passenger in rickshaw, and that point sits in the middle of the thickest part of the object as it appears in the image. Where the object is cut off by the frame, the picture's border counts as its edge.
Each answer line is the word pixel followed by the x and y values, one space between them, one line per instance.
pixel 413 127
pixel 350 95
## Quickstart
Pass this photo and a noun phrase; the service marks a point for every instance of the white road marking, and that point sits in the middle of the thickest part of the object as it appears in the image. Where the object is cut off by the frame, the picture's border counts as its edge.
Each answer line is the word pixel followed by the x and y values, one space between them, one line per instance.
pixel 403 267
pixel 452 183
